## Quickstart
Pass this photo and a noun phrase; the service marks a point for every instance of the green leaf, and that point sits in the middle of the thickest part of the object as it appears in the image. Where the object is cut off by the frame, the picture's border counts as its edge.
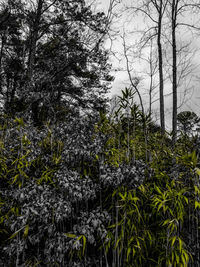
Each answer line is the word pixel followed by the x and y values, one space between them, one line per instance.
pixel 166 222
pixel 158 190
pixel 186 257
pixel 180 244
pixel 84 243
pixel 70 235
pixel 196 190
pixel 173 240
pixel 194 158
pixel 15 178
pixel 160 206
pixel 118 240
pixel 197 171
pixel 177 258
pixel 128 253
pixel 142 188
pixel 197 204
pixel 13 235
pixel 122 197
pixel 186 199
pixel 19 121
pixel 133 250
pixel 26 231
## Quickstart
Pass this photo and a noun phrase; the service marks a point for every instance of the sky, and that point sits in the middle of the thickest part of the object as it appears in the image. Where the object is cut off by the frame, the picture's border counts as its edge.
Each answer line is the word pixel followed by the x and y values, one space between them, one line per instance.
pixel 188 92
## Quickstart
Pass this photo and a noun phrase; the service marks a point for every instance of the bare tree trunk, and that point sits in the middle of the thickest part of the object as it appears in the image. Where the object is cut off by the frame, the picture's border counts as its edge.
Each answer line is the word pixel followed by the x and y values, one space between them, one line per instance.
pixel 151 79
pixel 154 11
pixel 160 60
pixel 174 70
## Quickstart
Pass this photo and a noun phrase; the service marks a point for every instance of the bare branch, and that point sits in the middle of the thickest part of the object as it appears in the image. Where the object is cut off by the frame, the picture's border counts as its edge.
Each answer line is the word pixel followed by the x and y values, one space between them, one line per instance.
pixel 134 84
pixel 188 25
pixel 143 11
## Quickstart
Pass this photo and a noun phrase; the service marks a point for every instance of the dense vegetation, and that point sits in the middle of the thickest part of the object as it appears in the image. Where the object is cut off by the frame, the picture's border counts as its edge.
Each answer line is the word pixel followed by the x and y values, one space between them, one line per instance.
pixel 79 186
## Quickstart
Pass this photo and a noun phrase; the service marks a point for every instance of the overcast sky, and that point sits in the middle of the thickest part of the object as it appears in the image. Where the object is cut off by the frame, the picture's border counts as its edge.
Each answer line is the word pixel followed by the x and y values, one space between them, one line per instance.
pixel 189 91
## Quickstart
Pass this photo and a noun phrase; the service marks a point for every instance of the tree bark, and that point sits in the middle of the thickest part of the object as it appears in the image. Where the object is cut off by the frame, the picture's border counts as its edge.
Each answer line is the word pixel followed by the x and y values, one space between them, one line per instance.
pixel 160 60
pixel 174 70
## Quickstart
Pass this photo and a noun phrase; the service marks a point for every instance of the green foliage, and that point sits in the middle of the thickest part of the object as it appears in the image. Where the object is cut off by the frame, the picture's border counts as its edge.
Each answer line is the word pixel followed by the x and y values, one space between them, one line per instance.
pixel 148 228
pixel 79 245
pixel 150 222
pixel 69 192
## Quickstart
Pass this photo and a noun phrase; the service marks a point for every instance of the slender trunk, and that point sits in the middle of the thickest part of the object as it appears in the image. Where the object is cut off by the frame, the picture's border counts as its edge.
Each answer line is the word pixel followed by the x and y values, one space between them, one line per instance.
pixel 160 60
pixel 189 228
pixel 197 254
pixel 121 263
pixel 128 134
pixel 134 136
pixel 197 239
pixel 174 71
pixel 115 252
pixel 151 80
pixel 12 95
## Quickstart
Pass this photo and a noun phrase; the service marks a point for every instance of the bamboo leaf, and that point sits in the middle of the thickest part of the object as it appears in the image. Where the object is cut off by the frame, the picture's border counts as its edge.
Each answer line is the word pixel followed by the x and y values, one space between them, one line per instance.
pixel 13 235
pixel 26 231
pixel 128 253
pixel 186 199
pixel 133 251
pixel 158 190
pixel 70 235
pixel 84 243
pixel 180 244
pixel 196 190
pixel 172 257
pixel 173 240
pixel 177 258
pixel 197 171
pixel 166 222
pixel 197 204
pixel 15 178
pixel 160 206
pixel 122 197
pixel 118 240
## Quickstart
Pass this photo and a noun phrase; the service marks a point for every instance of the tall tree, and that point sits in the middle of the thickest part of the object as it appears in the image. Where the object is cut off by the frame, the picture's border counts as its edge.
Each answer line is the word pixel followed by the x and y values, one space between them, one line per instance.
pixel 174 12
pixel 177 10
pixel 155 11
pixel 160 7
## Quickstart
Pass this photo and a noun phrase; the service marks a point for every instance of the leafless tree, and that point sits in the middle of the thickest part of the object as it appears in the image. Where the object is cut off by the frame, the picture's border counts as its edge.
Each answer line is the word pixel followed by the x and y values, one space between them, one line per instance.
pixel 154 11
pixel 174 13
pixel 179 11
